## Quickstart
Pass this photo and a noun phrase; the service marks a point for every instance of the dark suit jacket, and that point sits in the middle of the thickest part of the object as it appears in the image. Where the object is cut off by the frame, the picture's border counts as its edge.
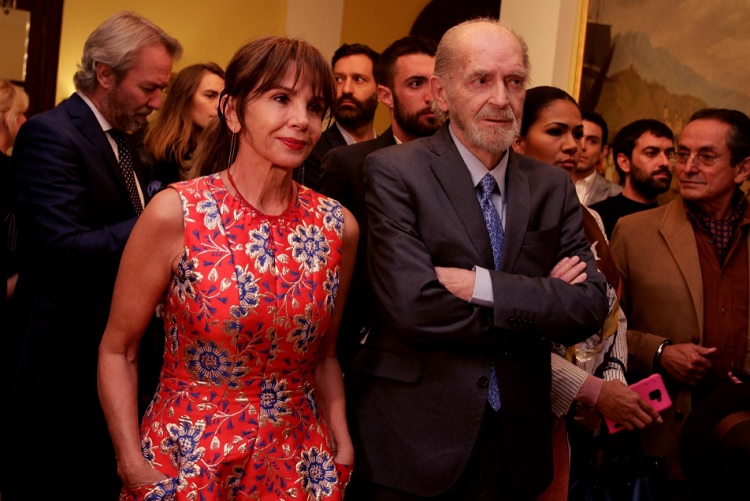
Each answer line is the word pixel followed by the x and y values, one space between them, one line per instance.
pixel 342 178
pixel 309 172
pixel 419 387
pixel 74 217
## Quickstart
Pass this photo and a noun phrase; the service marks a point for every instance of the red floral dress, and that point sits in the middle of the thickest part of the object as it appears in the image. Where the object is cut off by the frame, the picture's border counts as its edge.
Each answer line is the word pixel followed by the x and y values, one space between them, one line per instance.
pixel 235 415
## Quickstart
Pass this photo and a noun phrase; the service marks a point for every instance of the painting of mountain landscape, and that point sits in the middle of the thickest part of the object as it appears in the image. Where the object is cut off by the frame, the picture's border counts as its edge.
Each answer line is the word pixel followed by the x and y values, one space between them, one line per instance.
pixel 665 59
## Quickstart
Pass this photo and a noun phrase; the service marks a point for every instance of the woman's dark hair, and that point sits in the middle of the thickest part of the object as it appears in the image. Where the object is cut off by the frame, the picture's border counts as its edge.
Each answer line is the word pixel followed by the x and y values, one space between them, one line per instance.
pixel 538 99
pixel 258 66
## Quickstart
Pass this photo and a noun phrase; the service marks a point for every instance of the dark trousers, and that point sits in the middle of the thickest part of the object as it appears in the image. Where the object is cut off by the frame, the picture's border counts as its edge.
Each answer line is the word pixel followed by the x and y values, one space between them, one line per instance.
pixel 486 477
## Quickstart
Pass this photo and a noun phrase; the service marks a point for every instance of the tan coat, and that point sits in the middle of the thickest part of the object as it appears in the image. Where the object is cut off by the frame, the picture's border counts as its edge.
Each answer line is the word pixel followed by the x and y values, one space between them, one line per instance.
pixel 662 295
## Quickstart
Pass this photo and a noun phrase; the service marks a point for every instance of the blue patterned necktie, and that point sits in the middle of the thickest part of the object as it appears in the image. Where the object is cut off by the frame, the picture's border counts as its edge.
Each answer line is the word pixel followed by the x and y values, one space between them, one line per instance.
pixel 126 164
pixel 495 229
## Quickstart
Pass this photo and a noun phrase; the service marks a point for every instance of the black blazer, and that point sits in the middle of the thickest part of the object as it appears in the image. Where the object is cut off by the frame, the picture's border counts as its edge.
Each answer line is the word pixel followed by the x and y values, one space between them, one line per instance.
pixel 342 178
pixel 309 172
pixel 74 218
pixel 418 391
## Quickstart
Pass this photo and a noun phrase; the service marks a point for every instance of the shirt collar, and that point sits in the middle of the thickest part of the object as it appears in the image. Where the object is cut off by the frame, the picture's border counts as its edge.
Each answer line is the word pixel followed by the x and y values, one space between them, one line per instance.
pixel 103 123
pixel 348 137
pixel 477 168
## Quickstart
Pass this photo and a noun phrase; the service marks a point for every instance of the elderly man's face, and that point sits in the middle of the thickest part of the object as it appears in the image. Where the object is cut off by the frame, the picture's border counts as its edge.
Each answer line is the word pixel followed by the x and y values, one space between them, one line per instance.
pixel 129 102
pixel 705 174
pixel 485 91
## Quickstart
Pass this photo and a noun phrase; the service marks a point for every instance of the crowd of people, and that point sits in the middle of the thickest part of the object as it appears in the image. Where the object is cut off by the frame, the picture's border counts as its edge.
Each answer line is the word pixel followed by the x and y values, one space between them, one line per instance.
pixel 254 295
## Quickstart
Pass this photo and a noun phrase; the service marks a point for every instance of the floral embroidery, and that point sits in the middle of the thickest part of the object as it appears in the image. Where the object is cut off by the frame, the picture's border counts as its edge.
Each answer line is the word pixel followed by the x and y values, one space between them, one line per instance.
pixel 185 279
pixel 182 445
pixel 334 215
pixel 273 400
pixel 208 362
pixel 261 248
pixel 317 472
pixel 309 247
pixel 210 209
pixel 331 286
pixel 305 333
pixel 234 415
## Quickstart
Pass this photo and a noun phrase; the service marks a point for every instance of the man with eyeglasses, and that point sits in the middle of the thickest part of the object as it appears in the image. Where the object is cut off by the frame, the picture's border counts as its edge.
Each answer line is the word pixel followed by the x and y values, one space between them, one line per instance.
pixel 685 276
pixel 643 152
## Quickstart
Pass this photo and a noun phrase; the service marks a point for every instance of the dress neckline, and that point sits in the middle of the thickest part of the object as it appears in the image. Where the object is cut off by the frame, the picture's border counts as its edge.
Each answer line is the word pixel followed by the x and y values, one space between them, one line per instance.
pixel 238 200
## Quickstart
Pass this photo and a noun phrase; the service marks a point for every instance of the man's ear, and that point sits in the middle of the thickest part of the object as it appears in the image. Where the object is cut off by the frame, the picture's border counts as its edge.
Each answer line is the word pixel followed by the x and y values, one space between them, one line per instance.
pixel 605 152
pixel 624 162
pixel 437 86
pixel 743 171
pixel 385 95
pixel 105 76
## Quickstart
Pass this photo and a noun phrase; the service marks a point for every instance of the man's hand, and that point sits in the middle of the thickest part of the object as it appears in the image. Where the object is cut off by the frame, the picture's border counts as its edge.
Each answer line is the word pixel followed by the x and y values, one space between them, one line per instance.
pixel 686 362
pixel 570 269
pixel 622 405
pixel 459 282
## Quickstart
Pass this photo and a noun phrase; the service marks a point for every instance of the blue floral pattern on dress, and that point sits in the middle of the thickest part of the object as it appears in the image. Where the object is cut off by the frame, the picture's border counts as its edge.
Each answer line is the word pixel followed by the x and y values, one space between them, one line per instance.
pixel 318 473
pixel 235 414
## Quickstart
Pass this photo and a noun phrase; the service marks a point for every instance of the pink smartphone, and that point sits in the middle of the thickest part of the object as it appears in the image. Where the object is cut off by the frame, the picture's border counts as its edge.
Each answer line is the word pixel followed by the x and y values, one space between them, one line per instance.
pixel 653 391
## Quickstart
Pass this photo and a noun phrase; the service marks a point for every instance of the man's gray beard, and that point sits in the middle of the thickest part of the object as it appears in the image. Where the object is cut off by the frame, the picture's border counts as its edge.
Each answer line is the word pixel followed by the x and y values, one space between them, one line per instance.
pixel 494 141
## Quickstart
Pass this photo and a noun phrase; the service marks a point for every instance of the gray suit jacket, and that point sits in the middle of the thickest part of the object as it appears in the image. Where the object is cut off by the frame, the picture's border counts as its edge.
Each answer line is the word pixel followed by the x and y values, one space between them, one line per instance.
pixel 418 390
pixel 601 189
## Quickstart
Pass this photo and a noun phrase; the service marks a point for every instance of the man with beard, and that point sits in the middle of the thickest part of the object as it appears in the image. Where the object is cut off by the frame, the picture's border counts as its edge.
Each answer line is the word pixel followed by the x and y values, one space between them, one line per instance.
pixel 80 191
pixel 405 70
pixel 591 186
pixel 449 397
pixel 356 71
pixel 643 152
pixel 684 268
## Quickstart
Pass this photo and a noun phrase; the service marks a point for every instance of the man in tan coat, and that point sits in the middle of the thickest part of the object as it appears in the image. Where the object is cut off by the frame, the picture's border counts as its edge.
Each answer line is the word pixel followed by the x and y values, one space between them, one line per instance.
pixel 684 270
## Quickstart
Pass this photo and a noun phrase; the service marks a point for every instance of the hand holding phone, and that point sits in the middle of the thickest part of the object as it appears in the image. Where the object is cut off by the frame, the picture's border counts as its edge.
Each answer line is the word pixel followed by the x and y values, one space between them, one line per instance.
pixel 653 391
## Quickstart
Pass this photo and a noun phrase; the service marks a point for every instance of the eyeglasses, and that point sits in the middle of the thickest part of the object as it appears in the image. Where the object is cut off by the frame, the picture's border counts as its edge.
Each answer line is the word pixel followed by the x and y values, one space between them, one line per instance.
pixel 703 158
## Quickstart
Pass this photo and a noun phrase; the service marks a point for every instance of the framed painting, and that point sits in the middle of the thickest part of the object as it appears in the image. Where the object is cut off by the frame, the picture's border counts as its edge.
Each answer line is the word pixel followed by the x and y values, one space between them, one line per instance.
pixel 664 59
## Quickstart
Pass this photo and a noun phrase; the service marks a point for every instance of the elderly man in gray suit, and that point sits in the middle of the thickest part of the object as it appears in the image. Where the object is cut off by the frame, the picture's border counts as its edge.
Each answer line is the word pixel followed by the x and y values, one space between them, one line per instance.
pixel 450 396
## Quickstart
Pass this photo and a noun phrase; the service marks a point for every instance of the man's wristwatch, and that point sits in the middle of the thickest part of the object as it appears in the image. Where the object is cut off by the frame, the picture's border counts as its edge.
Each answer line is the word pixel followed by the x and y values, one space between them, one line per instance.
pixel 659 352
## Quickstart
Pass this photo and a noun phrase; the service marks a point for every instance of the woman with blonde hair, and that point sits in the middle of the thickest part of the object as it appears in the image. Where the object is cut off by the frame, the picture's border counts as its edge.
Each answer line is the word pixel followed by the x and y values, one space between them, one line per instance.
pixel 13 105
pixel 254 269
pixel 190 105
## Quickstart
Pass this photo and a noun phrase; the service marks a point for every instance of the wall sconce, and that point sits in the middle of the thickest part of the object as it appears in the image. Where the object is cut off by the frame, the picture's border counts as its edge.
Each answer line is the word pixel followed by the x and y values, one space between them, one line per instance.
pixel 7 6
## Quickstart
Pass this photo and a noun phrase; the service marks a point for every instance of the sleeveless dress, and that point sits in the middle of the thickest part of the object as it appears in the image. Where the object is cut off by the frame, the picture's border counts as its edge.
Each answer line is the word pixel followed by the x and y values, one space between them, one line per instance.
pixel 235 415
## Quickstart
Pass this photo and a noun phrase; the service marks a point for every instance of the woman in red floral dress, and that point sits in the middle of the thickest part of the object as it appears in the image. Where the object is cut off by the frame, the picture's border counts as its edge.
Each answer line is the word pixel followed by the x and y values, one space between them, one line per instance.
pixel 250 403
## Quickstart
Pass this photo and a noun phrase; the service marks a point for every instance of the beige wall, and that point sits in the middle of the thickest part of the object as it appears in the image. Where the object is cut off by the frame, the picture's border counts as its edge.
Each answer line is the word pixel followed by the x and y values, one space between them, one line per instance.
pixel 212 31
pixel 208 31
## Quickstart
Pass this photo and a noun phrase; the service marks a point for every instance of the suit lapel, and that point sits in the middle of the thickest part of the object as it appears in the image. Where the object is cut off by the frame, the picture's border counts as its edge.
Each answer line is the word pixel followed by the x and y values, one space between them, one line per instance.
pixel 680 239
pixel 517 211
pixel 85 120
pixel 454 177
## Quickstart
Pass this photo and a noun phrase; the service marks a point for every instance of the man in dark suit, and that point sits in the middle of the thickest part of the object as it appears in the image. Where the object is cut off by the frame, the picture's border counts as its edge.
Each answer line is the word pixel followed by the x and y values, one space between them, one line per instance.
pixel 449 397
pixel 79 194
pixel 405 69
pixel 356 70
